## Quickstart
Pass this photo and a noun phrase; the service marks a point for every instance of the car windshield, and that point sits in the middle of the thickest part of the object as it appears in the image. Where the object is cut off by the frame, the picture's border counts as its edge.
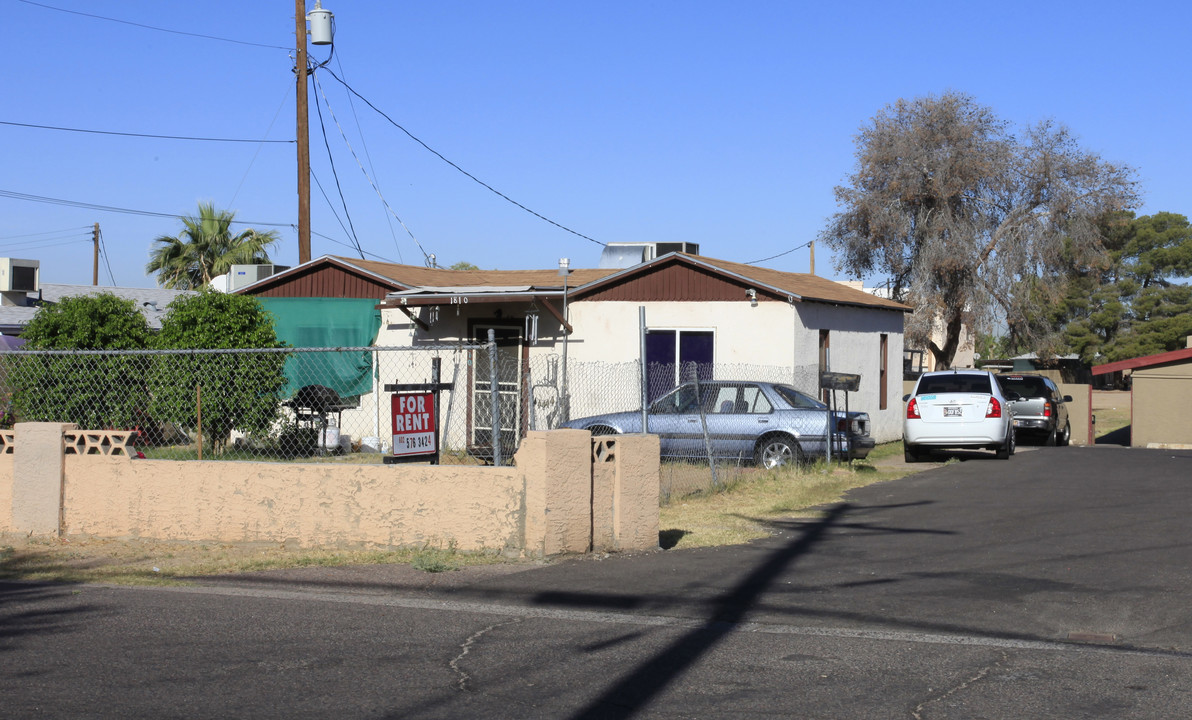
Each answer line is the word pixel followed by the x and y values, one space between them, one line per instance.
pixel 954 383
pixel 1025 386
pixel 798 399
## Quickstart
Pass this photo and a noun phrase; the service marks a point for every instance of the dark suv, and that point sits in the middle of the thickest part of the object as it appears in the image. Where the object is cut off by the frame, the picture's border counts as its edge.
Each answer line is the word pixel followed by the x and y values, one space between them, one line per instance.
pixel 1042 413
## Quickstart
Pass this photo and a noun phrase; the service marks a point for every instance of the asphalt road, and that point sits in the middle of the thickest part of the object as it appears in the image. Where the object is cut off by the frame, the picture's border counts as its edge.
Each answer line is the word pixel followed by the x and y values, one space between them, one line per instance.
pixel 1054 584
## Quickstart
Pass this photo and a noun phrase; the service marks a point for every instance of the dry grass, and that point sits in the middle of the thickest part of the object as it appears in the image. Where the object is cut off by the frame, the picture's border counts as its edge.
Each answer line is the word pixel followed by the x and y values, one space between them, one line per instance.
pixel 1112 410
pixel 158 562
pixel 744 511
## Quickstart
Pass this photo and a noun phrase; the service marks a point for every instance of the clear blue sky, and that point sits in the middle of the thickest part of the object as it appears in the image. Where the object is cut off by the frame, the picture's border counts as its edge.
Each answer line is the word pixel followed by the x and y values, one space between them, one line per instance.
pixel 725 124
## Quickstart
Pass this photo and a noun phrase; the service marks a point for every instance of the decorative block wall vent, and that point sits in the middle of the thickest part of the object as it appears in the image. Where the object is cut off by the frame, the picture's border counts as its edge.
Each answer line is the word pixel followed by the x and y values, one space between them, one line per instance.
pixel 97 442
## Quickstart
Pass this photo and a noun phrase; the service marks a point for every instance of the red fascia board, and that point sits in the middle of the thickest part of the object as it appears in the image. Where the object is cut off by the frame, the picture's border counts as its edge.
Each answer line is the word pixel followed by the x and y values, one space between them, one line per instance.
pixel 1143 362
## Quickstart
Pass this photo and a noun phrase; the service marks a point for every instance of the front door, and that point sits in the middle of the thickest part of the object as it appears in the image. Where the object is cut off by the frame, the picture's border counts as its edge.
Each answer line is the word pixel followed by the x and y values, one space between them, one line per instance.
pixel 509 352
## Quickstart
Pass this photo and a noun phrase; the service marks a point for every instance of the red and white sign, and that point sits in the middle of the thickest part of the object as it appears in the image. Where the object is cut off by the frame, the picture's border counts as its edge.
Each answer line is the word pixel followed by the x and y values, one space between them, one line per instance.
pixel 414 424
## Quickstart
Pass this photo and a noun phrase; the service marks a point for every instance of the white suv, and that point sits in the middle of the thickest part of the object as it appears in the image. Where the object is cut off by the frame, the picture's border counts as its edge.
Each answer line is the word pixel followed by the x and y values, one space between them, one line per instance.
pixel 958 409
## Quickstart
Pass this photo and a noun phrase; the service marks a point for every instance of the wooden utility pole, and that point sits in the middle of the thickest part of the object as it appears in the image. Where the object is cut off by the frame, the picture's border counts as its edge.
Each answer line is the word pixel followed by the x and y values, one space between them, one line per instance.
pixel 95 256
pixel 303 135
pixel 812 246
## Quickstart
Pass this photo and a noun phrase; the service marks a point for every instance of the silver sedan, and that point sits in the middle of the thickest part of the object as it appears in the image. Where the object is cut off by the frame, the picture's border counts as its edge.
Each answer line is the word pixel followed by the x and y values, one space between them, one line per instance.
pixel 768 423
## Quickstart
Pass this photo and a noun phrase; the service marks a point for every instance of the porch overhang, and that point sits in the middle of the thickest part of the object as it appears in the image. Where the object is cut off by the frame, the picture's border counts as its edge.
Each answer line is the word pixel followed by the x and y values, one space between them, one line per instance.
pixel 422 297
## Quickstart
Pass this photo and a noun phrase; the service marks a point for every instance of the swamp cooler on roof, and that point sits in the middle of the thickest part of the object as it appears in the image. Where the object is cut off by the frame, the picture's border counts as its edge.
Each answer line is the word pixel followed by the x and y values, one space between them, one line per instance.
pixel 626 254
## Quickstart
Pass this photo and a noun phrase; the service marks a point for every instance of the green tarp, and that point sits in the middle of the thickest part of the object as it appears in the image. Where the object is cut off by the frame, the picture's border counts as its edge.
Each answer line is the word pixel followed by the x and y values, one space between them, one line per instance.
pixel 327 323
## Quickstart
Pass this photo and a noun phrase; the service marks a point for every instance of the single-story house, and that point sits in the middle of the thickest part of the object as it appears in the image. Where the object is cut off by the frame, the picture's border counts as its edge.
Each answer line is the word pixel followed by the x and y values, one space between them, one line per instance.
pixel 1161 393
pixel 570 342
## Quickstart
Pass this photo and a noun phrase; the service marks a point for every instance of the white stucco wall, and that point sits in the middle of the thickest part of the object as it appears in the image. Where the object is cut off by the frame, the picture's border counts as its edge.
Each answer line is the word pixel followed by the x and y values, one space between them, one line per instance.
pixel 855 347
pixel 773 334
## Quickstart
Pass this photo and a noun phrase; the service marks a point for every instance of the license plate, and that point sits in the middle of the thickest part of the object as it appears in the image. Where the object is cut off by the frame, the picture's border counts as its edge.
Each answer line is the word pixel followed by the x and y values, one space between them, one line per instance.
pixel 952 412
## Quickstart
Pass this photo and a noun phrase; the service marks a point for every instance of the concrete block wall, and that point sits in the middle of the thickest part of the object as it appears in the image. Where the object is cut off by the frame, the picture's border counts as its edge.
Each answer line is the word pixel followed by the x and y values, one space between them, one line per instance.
pixel 548 503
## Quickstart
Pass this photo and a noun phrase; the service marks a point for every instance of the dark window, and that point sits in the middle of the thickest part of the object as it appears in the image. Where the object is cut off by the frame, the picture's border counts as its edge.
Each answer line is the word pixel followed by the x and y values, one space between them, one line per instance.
pixel 883 354
pixel 671 356
pixel 681 401
pixel 798 399
pixel 825 359
pixel 1025 386
pixel 954 383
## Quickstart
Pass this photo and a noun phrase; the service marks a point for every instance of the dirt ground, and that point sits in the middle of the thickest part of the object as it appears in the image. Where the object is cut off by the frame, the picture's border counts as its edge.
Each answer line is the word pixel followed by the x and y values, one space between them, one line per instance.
pixel 1111 408
pixel 1111 399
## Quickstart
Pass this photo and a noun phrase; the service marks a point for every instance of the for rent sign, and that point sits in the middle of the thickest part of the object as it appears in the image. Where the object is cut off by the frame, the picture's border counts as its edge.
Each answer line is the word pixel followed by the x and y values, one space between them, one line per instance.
pixel 414 424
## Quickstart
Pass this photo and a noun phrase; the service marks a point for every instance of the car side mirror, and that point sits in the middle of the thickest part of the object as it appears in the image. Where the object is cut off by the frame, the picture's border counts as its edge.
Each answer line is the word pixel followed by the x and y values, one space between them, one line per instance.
pixel 1067 398
pixel 906 398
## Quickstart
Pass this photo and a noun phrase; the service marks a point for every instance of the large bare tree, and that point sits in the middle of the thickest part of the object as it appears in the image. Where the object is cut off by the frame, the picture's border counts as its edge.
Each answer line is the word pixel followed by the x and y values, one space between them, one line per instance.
pixel 972 224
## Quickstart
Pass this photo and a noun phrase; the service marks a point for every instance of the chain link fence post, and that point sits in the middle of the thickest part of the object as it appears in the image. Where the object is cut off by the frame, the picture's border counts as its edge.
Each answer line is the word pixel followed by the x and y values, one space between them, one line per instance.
pixel 693 372
pixel 494 396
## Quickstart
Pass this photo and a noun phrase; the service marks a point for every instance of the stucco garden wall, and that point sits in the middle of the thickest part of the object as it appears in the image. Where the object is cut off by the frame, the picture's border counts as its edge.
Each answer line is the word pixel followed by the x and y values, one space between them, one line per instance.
pixel 543 506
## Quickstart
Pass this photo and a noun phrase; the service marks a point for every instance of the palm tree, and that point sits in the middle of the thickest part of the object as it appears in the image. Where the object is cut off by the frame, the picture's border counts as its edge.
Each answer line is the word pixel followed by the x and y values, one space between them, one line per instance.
pixel 205 249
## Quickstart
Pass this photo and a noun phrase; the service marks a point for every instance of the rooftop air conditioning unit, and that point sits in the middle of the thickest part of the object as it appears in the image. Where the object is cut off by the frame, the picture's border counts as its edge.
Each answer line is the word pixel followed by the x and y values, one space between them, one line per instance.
pixel 23 276
pixel 242 275
pixel 628 254
pixel 662 248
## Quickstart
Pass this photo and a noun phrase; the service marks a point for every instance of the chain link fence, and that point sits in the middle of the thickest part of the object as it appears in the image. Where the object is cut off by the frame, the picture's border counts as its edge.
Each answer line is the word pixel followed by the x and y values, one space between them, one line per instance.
pixel 331 405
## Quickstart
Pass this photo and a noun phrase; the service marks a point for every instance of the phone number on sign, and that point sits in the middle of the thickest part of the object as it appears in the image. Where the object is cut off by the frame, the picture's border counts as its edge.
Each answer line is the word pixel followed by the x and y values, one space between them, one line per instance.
pixel 408 444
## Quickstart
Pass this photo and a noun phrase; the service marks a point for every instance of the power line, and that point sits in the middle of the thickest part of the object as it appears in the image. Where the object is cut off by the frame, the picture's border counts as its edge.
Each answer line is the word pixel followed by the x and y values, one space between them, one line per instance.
pixel 469 175
pixel 331 206
pixel 151 27
pixel 46 243
pixel 349 245
pixel 142 135
pixel 104 251
pixel 109 208
pixel 257 152
pixel 352 150
pixel 372 169
pixel 47 232
pixel 788 252
pixel 335 175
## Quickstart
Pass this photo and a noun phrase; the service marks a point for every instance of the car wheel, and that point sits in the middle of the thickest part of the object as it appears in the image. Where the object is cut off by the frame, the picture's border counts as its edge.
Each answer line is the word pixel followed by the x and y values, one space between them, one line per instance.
pixel 1006 450
pixel 777 451
pixel 1066 436
pixel 1052 437
pixel 910 454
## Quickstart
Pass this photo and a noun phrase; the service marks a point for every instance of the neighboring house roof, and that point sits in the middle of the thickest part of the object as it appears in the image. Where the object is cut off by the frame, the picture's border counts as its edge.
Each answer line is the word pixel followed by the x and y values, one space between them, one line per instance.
pixel 152 302
pixel 771 284
pixel 1144 362
pixel 1035 356
pixel 333 276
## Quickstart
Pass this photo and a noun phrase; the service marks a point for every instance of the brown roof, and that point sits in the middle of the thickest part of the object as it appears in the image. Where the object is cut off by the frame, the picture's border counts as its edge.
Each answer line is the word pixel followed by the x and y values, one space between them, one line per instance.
pixel 806 285
pixel 416 276
pixel 1144 362
pixel 796 286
